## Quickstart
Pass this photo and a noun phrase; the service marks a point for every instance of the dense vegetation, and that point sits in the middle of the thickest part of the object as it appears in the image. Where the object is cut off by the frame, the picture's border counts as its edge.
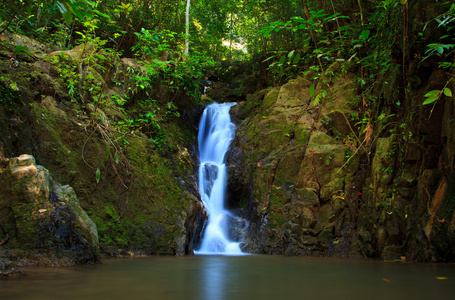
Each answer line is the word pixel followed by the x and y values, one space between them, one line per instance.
pixel 386 43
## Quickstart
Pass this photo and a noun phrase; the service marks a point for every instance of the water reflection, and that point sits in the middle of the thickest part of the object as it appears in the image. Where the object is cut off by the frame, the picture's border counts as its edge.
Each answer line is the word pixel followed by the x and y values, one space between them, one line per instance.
pixel 214 278
pixel 239 277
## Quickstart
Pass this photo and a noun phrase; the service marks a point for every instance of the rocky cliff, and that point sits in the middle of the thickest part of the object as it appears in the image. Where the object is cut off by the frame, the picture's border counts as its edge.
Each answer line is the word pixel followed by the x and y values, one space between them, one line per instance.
pixel 314 178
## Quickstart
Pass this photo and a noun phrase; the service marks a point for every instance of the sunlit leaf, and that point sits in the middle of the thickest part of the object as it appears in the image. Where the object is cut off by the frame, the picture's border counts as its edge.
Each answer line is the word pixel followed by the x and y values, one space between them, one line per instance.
pixel 316 100
pixel 447 92
pixel 432 93
pixel 101 56
pixel 430 100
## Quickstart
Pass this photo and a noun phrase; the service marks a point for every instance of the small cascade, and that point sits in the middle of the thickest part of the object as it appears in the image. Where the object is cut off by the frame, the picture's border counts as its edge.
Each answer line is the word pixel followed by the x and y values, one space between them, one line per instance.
pixel 216 132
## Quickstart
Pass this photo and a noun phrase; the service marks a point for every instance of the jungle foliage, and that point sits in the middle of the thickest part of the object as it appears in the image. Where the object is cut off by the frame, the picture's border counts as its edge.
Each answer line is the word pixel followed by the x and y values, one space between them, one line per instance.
pixel 383 42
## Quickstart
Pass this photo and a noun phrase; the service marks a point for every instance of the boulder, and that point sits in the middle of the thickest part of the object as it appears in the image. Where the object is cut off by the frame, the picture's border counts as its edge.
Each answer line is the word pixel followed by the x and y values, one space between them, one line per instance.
pixel 51 226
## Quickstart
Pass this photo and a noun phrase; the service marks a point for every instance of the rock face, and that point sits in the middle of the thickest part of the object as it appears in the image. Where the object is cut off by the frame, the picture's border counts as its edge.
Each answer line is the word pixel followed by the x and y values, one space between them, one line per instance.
pixel 309 190
pixel 39 215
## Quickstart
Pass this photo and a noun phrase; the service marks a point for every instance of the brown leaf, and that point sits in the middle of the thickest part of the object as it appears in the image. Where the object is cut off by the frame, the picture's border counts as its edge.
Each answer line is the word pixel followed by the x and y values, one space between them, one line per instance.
pixel 368 134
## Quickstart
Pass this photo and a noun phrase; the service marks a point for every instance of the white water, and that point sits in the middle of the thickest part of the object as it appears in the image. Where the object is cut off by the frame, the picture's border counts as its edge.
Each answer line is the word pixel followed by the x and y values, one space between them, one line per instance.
pixel 216 132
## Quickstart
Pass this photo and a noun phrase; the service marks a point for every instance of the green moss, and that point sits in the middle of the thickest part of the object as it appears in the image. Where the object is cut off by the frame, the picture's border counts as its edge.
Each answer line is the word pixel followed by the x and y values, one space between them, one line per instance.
pixel 25 215
pixel 276 221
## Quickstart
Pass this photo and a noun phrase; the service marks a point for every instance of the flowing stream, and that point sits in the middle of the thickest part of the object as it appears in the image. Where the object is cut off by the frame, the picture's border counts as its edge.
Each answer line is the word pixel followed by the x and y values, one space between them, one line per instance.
pixel 216 132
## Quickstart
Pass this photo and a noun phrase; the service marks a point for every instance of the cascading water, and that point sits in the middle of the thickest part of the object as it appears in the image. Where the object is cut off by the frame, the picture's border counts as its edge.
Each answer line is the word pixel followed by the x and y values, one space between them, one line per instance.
pixel 216 132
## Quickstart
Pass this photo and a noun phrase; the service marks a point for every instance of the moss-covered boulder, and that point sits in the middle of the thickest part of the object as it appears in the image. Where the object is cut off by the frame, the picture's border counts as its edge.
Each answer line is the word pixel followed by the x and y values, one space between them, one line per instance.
pixel 44 218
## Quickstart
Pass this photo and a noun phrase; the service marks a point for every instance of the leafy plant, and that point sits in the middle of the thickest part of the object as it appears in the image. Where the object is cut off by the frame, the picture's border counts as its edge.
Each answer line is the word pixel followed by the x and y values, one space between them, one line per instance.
pixel 445 49
pixel 434 95
pixel 316 43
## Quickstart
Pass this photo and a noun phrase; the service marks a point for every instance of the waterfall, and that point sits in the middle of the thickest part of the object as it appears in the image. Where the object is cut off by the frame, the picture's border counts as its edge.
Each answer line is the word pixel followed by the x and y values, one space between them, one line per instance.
pixel 216 132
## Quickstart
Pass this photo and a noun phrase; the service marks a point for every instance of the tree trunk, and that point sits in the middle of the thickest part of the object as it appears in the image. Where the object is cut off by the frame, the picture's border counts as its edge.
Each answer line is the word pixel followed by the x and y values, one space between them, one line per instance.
pixel 187 30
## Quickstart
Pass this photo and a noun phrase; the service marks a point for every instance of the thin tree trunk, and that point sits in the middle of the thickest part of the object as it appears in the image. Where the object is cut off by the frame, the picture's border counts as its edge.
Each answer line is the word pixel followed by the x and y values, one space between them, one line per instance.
pixel 187 31
pixel 361 13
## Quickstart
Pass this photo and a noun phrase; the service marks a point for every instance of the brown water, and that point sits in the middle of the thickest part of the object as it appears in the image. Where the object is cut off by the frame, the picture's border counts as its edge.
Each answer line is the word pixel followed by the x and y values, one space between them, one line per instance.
pixel 245 277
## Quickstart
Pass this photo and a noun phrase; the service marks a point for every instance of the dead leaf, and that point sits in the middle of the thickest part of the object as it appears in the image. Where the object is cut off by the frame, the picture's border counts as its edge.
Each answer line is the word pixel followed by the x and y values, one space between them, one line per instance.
pixel 368 134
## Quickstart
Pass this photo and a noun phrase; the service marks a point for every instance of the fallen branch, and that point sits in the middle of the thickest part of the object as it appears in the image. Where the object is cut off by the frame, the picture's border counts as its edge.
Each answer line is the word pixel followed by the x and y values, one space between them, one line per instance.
pixel 5 239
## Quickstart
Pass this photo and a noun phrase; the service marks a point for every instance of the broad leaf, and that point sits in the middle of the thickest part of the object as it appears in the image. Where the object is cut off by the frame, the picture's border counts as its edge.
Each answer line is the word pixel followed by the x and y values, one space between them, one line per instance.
pixel 364 35
pixel 432 93
pixel 430 100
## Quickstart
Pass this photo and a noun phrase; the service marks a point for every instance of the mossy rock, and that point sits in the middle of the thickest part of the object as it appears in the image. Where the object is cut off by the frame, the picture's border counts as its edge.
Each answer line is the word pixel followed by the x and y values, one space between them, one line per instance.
pixel 294 93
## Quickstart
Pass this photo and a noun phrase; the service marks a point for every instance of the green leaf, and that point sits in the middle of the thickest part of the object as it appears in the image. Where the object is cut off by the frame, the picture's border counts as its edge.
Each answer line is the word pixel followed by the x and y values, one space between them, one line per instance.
pixel 102 14
pixel 311 92
pixel 432 93
pixel 447 92
pixel 316 100
pixel 13 86
pixel 269 58
pixel 430 100
pixel 101 56
pixel 296 59
pixel 18 49
pixel 291 54
pixel 282 59
pixel 116 157
pixel 98 175
pixel 364 35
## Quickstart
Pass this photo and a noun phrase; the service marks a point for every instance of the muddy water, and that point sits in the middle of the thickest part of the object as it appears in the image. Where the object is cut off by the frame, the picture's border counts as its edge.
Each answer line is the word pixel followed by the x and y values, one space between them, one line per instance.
pixel 243 277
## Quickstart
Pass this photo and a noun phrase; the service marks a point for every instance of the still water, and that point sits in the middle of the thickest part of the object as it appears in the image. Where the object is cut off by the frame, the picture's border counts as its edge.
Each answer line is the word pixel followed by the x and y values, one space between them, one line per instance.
pixel 239 277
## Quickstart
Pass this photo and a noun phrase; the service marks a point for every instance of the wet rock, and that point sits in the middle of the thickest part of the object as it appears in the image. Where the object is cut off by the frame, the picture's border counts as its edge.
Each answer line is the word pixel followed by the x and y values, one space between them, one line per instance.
pixel 237 227
pixel 8 269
